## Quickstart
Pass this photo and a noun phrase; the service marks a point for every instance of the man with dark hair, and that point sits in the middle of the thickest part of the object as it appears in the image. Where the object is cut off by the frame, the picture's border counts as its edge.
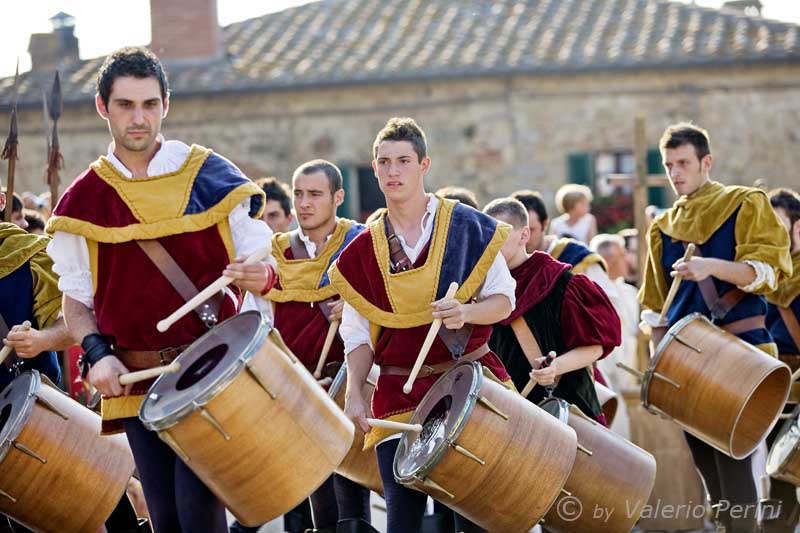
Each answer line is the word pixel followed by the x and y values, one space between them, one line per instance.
pixel 386 317
pixel 120 229
pixel 462 194
pixel 783 322
pixel 278 207
pixel 35 222
pixel 566 313
pixel 742 252
pixel 305 303
pixel 17 213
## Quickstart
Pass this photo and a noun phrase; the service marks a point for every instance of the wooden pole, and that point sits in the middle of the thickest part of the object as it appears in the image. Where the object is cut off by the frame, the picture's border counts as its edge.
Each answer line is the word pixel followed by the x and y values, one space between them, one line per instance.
pixel 640 191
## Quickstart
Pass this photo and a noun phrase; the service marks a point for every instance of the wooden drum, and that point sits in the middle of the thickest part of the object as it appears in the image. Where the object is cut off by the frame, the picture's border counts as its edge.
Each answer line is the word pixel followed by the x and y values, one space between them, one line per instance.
pixel 486 452
pixel 784 457
pixel 249 419
pixel 610 474
pixel 56 472
pixel 359 465
pixel 719 388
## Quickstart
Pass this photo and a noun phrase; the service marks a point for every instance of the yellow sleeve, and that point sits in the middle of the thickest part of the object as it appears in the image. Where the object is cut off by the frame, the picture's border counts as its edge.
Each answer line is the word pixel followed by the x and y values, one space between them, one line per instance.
pixel 654 288
pixel 46 296
pixel 760 236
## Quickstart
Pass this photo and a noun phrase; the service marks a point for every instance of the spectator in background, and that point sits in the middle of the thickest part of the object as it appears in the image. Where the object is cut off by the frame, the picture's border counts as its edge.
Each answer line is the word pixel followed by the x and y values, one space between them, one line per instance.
pixel 17 216
pixel 631 237
pixel 462 194
pixel 574 202
pixel 278 209
pixel 35 222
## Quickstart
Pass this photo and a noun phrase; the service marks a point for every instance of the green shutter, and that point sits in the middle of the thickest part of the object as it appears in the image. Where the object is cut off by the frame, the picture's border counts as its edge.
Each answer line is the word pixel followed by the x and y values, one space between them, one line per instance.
pixel 655 195
pixel 580 168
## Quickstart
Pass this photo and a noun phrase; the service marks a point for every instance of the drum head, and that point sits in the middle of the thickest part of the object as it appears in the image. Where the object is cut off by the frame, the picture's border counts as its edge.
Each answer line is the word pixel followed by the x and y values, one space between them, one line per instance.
pixel 16 405
pixel 443 412
pixel 785 444
pixel 557 407
pixel 208 365
pixel 339 382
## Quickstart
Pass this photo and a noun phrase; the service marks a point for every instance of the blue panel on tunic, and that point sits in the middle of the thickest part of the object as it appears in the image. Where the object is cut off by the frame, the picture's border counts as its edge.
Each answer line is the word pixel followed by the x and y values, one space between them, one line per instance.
pixel 573 253
pixel 16 306
pixel 778 329
pixel 351 234
pixel 721 245
pixel 215 180
pixel 469 234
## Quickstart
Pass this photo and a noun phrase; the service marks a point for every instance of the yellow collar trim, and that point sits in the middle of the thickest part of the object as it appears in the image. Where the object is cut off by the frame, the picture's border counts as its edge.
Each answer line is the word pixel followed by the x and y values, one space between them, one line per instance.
pixel 17 247
pixel 788 289
pixel 300 278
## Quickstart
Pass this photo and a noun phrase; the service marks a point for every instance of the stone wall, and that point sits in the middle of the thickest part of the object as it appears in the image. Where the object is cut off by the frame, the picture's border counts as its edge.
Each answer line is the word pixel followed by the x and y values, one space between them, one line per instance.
pixel 493 135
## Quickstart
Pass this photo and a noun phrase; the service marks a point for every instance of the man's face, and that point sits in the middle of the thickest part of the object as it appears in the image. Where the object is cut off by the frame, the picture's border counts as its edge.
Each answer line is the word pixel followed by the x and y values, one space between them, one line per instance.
pixel 134 112
pixel 17 217
pixel 536 231
pixel 314 204
pixel 277 220
pixel 686 172
pixel 614 254
pixel 516 240
pixel 399 171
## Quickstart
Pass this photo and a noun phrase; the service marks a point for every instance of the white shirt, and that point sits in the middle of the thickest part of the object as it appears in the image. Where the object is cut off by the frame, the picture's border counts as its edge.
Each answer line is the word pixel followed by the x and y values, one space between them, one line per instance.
pixel 70 252
pixel 355 328
pixel 595 273
pixel 311 247
pixel 560 227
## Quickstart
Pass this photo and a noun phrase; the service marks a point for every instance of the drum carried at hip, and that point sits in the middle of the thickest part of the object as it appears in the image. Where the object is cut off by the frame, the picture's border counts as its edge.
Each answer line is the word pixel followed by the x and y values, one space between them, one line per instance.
pixel 716 386
pixel 56 472
pixel 486 452
pixel 249 419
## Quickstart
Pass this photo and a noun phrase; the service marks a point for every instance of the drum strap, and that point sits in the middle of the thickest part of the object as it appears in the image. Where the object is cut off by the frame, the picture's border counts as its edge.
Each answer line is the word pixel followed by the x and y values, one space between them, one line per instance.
pixel 155 251
pixel 718 306
pixel 528 343
pixel 454 339
pixel 299 251
pixel 791 323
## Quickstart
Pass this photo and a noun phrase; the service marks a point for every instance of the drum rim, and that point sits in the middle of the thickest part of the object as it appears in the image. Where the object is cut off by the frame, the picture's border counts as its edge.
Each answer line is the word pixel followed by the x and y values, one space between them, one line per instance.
pixel 440 451
pixel 775 469
pixel 337 382
pixel 24 413
pixel 560 401
pixel 661 348
pixel 217 385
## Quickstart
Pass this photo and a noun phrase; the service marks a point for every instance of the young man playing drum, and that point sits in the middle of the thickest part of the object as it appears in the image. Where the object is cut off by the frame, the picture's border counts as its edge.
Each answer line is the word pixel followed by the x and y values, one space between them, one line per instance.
pixel 563 312
pixel 306 306
pixel 742 252
pixel 147 209
pixel 393 279
pixel 783 321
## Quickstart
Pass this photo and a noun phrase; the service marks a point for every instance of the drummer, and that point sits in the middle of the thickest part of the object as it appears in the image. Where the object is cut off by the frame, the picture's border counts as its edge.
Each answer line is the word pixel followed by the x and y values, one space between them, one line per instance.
pixel 305 304
pixel 567 313
pixel 742 254
pixel 199 212
pixel 783 321
pixel 388 277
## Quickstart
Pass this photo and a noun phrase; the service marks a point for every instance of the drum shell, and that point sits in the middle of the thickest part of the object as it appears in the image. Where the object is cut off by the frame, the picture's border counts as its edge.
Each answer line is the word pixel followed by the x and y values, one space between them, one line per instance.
pixel 360 465
pixel 280 450
pixel 529 449
pixel 84 477
pixel 788 469
pixel 731 392
pixel 617 477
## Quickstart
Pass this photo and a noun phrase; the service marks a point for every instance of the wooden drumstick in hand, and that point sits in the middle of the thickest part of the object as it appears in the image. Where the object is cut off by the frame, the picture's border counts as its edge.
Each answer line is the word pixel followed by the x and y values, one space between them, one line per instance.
pixel 7 349
pixel 673 289
pixel 426 346
pixel 141 375
pixel 532 382
pixel 332 328
pixel 390 424
pixel 208 292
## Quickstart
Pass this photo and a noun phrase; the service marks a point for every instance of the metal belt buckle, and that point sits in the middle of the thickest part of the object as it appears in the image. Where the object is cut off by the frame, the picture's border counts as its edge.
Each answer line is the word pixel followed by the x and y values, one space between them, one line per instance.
pixel 208 316
pixel 426 371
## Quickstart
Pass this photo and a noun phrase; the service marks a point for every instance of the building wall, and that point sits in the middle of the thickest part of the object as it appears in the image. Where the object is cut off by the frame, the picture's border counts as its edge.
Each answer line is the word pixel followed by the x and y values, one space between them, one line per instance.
pixel 492 135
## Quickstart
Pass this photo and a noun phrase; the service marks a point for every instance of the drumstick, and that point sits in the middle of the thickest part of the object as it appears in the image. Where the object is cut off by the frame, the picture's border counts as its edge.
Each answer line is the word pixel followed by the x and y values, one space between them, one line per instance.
pixel 673 289
pixel 426 346
pixel 208 292
pixel 389 424
pixel 795 374
pixel 532 383
pixel 7 349
pixel 141 375
pixel 326 347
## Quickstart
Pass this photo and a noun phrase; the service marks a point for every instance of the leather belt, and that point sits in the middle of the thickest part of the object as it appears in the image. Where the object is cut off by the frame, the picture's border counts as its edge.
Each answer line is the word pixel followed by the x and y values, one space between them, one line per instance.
pixel 149 358
pixel 439 368
pixel 791 359
pixel 745 324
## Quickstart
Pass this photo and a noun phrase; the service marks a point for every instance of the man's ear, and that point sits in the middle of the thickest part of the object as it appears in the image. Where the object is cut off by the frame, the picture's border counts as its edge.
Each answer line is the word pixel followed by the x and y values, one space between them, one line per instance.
pixel 338 197
pixel 102 110
pixel 166 107
pixel 707 163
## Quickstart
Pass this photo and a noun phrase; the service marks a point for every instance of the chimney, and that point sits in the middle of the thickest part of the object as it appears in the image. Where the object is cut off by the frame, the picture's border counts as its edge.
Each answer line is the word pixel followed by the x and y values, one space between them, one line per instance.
pixel 185 30
pixel 53 50
pixel 751 8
